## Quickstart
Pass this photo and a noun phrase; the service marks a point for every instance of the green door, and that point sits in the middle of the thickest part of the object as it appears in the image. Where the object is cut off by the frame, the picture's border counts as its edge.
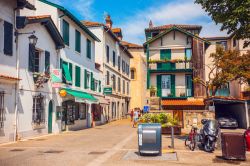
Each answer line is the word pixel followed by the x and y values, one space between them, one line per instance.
pixel 50 116
pixel 165 55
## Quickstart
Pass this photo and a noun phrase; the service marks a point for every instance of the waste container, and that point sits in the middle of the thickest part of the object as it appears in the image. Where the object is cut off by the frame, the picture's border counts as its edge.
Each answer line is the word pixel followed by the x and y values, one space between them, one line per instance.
pixel 149 139
pixel 233 146
pixel 247 137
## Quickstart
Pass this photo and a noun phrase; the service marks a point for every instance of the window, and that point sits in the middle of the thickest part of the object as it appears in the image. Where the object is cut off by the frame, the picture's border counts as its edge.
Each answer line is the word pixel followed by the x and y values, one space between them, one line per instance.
pixel 123 66
pixel 88 80
pixel 82 111
pixel 188 53
pixel 223 44
pixel 114 58
pixel 107 79
pixel 1 109
pixel 107 54
pixel 127 88
pixel 66 32
pixel 96 85
pixel 123 86
pixel 88 49
pixel 77 41
pixel 8 38
pixel 119 84
pixel 47 62
pixel 38 110
pixel 66 72
pixel 114 82
pixel 132 74
pixel 234 42
pixel 36 61
pixel 119 63
pixel 77 76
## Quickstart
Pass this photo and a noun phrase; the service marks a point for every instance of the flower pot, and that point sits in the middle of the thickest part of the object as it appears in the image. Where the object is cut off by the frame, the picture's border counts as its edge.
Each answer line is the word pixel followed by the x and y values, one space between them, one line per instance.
pixel 167 130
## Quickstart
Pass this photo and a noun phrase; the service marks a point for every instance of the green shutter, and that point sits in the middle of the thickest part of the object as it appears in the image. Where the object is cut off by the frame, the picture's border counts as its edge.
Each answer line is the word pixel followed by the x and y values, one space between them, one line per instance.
pixel 173 85
pixel 71 70
pixel 85 79
pixel 100 86
pixel 31 58
pixel 77 41
pixel 166 55
pixel 92 80
pixel 77 76
pixel 47 61
pixel 66 73
pixel 88 48
pixel 66 32
pixel 158 85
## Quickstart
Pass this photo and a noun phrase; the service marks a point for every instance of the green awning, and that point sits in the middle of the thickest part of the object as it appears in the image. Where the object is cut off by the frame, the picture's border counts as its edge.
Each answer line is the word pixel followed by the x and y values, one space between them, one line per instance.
pixel 80 94
pixel 66 72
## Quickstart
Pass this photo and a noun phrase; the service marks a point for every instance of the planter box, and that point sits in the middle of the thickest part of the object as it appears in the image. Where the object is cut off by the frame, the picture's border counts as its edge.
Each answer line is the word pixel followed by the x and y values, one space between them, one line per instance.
pixel 167 130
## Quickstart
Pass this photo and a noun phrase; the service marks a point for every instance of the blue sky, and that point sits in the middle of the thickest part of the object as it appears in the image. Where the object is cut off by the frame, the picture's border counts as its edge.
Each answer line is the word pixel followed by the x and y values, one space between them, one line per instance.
pixel 133 15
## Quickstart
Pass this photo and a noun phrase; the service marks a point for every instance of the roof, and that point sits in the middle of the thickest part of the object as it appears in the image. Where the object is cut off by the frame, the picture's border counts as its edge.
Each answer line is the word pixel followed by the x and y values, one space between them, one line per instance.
pixel 2 76
pixel 73 18
pixel 131 45
pixel 224 100
pixel 116 30
pixel 175 102
pixel 215 38
pixel 178 29
pixel 25 4
pixel 168 26
pixel 92 24
pixel 45 20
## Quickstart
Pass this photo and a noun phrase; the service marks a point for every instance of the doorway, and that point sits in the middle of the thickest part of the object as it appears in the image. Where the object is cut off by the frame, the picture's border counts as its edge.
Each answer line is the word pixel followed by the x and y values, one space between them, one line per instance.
pixel 179 116
pixel 50 116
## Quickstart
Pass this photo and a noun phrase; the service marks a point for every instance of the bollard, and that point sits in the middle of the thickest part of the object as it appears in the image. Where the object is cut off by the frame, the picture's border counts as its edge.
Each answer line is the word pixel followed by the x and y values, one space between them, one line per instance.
pixel 172 137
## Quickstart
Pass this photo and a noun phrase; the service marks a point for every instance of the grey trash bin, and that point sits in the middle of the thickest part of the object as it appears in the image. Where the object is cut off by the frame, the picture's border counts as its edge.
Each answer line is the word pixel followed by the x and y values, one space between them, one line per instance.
pixel 149 139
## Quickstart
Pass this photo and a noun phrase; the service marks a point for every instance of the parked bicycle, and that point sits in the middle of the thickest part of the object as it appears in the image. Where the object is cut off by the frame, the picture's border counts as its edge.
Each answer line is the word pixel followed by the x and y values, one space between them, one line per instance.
pixel 190 141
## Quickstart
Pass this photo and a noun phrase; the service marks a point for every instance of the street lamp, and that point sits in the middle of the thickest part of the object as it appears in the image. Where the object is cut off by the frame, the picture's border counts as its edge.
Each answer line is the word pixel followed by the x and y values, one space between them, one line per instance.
pixel 33 39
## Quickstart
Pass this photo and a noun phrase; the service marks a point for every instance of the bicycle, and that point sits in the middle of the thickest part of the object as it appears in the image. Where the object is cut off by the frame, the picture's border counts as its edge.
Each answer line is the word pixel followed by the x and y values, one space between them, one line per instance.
pixel 190 141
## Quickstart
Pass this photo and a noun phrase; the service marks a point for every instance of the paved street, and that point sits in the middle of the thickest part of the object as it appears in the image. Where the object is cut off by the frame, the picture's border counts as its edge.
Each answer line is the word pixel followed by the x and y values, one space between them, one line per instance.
pixel 103 145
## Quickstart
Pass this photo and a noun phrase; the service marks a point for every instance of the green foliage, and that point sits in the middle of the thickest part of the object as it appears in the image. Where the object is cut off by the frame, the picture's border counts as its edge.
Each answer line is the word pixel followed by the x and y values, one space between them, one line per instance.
pixel 163 118
pixel 233 15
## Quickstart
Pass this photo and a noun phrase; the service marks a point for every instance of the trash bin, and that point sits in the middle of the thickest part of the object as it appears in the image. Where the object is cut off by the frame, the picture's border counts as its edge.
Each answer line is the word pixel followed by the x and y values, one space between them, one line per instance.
pixel 247 137
pixel 233 146
pixel 149 139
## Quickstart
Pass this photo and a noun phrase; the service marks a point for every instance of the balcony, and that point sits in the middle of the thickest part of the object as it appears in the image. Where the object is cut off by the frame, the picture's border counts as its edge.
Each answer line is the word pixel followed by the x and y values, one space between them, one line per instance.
pixel 170 66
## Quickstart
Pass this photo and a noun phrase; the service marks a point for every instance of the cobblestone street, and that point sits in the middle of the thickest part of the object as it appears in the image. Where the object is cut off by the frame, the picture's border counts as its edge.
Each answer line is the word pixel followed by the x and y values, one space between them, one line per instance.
pixel 103 145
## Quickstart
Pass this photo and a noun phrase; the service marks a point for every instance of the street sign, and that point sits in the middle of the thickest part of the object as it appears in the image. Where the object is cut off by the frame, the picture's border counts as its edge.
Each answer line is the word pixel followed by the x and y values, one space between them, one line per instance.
pixel 56 76
pixel 146 109
pixel 107 90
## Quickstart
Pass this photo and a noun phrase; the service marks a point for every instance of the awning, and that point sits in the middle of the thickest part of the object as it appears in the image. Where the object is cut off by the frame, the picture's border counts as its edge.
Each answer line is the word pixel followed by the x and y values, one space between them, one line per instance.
pixel 80 94
pixel 66 72
pixel 103 100
pixel 175 104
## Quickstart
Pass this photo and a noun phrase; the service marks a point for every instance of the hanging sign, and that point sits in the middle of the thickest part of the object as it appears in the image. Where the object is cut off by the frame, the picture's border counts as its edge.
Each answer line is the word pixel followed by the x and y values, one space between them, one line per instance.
pixel 107 90
pixel 56 76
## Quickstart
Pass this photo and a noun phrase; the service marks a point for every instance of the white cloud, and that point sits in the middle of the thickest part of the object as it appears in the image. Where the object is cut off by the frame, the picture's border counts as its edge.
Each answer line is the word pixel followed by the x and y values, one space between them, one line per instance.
pixel 84 7
pixel 178 12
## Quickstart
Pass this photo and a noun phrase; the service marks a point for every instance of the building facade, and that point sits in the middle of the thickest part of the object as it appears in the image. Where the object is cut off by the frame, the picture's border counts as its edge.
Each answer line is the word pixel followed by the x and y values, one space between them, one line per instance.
pixel 175 55
pixel 138 71
pixel 114 61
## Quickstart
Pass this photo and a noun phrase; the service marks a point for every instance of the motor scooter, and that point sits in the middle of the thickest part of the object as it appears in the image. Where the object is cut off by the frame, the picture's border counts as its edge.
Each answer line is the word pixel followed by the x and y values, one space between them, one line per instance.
pixel 209 134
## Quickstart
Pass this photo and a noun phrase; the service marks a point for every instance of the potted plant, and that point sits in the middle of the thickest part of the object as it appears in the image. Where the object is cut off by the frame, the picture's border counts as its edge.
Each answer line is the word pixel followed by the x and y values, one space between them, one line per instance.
pixel 153 91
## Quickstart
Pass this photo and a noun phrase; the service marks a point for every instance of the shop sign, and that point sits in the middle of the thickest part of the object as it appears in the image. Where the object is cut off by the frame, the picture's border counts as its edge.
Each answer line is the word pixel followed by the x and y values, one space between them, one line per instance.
pixel 79 100
pixel 107 90
pixel 56 76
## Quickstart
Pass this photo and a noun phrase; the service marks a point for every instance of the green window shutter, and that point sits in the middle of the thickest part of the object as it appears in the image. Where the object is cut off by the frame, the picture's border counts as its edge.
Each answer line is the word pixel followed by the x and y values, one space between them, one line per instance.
pixel 66 32
pixel 77 76
pixel 77 41
pixel 85 79
pixel 92 86
pixel 71 70
pixel 158 85
pixel 31 58
pixel 173 85
pixel 66 74
pixel 47 62
pixel 88 49
pixel 166 55
pixel 100 86
pixel 8 38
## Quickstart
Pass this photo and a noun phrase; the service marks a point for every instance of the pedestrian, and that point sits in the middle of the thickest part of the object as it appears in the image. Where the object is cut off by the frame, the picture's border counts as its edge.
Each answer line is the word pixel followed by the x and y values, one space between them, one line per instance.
pixel 131 114
pixel 135 119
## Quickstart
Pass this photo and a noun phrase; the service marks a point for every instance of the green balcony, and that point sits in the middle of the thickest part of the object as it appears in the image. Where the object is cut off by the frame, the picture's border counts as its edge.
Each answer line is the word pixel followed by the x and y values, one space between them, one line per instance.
pixel 171 67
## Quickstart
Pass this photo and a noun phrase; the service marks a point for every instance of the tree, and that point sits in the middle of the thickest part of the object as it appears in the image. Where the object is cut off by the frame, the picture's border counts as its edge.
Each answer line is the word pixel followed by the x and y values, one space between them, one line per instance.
pixel 234 15
pixel 226 66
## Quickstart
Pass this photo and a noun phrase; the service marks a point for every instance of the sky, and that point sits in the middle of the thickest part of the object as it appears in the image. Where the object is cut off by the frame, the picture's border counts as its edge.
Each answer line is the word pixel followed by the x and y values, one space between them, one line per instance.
pixel 133 16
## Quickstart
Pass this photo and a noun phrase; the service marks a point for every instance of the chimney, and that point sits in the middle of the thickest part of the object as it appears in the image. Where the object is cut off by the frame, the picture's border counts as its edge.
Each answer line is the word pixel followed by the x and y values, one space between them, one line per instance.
pixel 108 21
pixel 150 25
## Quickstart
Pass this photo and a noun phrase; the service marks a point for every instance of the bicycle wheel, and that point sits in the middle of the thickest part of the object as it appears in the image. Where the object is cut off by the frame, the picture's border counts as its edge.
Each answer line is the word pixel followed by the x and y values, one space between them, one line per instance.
pixel 192 144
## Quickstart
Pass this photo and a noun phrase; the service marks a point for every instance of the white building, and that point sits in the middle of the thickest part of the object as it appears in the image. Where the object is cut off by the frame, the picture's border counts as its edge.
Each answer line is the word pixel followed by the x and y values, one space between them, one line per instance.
pixel 82 78
pixel 114 60
pixel 27 109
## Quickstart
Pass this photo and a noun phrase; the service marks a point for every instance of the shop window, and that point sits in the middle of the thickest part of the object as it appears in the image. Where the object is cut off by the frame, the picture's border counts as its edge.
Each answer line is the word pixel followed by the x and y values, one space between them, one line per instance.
pixel 68 112
pixel 1 109
pixel 83 111
pixel 38 110
pixel 97 112
pixel 77 112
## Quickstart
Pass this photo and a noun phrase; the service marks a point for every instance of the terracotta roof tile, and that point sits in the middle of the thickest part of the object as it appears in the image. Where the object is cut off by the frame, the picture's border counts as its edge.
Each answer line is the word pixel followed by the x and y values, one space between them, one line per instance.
pixel 92 24
pixel 37 17
pixel 116 30
pixel 131 45
pixel 168 26
pixel 173 102
pixel 9 77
